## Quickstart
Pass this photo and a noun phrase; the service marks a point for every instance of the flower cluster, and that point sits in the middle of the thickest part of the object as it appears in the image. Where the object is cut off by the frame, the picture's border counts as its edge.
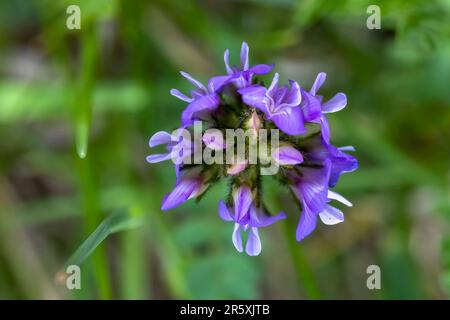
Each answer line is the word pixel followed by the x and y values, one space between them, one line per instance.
pixel 309 165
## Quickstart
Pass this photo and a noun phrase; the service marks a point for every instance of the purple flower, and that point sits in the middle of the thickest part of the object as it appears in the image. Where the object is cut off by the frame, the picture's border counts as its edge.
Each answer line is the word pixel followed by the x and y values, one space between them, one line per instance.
pixel 178 147
pixel 313 108
pixel 341 162
pixel 308 165
pixel 279 104
pixel 311 189
pixel 242 76
pixel 287 155
pixel 247 217
pixel 203 99
pixel 189 185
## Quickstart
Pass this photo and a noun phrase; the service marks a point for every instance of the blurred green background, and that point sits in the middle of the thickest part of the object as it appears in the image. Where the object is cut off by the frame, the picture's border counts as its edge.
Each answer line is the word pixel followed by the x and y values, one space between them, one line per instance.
pixel 102 91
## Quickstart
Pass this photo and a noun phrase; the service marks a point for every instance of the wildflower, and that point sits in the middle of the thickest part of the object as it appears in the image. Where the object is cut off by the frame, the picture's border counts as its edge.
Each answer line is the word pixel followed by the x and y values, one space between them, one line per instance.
pixel 287 155
pixel 203 99
pixel 241 76
pixel 178 146
pixel 311 189
pixel 313 108
pixel 189 185
pixel 306 162
pixel 319 150
pixel 279 104
pixel 341 162
pixel 246 217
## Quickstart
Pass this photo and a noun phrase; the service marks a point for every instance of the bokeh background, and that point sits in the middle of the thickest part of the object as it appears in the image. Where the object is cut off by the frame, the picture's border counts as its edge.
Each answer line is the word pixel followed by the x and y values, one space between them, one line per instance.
pixel 102 91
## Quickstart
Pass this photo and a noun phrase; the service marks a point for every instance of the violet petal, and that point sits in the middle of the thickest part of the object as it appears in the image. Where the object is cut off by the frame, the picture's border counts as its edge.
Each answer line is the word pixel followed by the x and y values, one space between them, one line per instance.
pixel 338 102
pixel 253 246
pixel 237 237
pixel 290 121
pixel 331 215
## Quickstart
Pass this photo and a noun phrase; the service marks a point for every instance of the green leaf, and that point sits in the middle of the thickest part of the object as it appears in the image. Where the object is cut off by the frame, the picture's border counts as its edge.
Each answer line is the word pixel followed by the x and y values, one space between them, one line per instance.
pixel 117 221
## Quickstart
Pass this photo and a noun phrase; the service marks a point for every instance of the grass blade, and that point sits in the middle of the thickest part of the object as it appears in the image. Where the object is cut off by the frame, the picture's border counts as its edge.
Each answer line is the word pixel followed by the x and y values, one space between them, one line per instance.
pixel 117 221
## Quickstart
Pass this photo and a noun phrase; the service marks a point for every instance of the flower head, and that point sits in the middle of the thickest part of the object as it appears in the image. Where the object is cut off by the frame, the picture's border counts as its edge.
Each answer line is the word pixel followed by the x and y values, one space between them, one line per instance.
pixel 274 117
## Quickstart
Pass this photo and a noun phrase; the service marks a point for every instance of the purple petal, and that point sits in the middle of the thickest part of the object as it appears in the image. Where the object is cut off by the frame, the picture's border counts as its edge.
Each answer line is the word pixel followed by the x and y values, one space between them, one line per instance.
pixel 180 152
pixel 176 93
pixel 288 155
pixel 224 213
pixel 261 68
pixel 325 128
pixel 320 79
pixel 183 191
pixel 330 215
pixel 312 187
pixel 293 96
pixel 196 108
pixel 160 137
pixel 154 158
pixel 242 201
pixel 306 225
pixel 341 162
pixel 274 85
pixel 241 79
pixel 310 106
pixel 236 237
pixel 215 83
pixel 226 58
pixel 177 171
pixel 338 102
pixel 259 219
pixel 197 94
pixel 279 95
pixel 253 246
pixel 195 82
pixel 290 121
pixel 244 56
pixel 255 96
